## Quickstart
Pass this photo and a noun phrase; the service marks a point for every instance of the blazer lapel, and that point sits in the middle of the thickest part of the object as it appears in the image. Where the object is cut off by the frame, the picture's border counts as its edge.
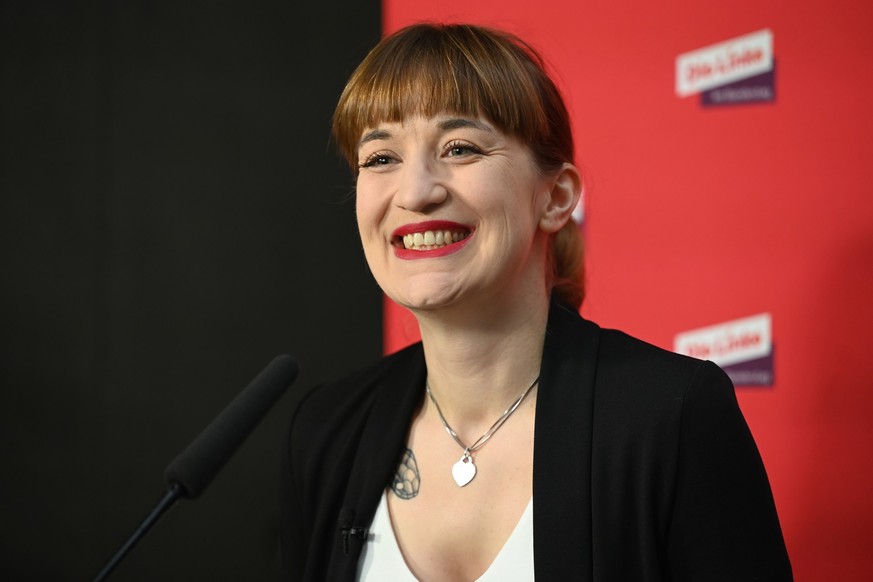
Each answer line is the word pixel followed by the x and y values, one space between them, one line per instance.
pixel 386 430
pixel 562 448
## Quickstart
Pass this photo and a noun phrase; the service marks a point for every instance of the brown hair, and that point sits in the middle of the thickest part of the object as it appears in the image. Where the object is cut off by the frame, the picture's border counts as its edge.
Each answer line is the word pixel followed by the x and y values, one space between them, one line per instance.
pixel 427 69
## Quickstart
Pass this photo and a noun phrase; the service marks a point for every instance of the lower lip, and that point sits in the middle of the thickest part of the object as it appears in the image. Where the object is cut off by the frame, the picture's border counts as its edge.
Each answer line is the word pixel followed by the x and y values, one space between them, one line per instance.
pixel 411 255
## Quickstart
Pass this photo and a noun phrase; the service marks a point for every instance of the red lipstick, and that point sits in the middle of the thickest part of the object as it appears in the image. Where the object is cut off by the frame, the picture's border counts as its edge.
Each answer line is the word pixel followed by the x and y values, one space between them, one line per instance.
pixel 431 225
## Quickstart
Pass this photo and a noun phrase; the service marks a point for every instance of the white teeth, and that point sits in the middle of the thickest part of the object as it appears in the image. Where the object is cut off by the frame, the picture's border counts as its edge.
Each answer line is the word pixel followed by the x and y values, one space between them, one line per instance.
pixel 429 240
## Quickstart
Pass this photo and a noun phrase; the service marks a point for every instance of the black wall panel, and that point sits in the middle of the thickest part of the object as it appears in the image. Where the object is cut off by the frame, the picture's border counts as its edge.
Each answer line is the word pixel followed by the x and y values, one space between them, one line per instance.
pixel 172 215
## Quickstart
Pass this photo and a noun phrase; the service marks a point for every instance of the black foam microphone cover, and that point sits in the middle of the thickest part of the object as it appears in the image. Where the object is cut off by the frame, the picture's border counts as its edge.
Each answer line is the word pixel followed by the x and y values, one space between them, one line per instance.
pixel 197 465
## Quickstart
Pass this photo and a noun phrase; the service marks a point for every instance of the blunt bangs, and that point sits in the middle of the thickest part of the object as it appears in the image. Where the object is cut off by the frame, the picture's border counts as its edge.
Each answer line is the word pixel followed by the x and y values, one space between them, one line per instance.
pixel 428 69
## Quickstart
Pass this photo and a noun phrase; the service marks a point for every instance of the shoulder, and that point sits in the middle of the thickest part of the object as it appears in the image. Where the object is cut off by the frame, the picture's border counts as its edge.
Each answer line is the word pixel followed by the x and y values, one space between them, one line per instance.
pixel 618 367
pixel 614 357
pixel 625 359
pixel 648 398
pixel 656 387
pixel 628 386
pixel 618 345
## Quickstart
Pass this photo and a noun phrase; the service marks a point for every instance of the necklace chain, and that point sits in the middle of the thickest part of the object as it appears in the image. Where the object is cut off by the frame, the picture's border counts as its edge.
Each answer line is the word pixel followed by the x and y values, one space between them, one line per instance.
pixel 480 442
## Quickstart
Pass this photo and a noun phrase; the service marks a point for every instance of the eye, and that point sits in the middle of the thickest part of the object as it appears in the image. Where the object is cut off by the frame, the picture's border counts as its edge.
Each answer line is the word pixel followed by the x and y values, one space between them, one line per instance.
pixel 377 159
pixel 457 149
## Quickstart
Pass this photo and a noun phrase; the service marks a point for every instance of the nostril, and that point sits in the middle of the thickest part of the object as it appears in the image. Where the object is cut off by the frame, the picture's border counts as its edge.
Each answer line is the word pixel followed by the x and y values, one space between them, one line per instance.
pixel 421 194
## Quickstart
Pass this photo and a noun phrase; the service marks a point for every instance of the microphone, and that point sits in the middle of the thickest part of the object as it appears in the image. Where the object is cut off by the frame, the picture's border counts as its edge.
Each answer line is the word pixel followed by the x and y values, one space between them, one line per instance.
pixel 197 465
pixel 190 473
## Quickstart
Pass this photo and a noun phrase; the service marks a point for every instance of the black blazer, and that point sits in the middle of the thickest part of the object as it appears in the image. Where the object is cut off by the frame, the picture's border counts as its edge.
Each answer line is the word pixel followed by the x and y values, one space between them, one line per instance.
pixel 644 468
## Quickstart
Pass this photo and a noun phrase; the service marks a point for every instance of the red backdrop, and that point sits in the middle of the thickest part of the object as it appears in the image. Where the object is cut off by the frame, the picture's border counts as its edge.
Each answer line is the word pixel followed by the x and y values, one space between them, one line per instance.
pixel 700 215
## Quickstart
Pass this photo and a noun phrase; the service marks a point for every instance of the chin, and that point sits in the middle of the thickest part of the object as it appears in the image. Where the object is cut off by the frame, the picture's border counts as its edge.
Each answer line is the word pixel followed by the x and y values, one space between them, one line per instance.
pixel 422 291
pixel 423 301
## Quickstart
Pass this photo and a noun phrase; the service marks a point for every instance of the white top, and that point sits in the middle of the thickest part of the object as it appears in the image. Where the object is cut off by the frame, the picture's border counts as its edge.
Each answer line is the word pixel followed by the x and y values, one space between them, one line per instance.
pixel 382 560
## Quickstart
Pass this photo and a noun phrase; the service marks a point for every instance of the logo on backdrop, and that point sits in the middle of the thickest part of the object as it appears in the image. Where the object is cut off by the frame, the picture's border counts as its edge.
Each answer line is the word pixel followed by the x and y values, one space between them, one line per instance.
pixel 742 347
pixel 739 70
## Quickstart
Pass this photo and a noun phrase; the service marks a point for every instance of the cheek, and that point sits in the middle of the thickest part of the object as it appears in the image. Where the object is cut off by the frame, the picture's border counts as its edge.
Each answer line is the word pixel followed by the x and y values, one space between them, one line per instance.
pixel 364 211
pixel 368 206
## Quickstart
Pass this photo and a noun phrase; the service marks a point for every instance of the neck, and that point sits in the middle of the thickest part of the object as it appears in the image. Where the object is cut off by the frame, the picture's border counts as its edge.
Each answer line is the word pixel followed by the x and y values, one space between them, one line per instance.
pixel 481 359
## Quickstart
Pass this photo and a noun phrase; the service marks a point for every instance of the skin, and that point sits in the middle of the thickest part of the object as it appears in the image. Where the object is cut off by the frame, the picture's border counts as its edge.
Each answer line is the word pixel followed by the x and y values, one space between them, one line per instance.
pixel 482 307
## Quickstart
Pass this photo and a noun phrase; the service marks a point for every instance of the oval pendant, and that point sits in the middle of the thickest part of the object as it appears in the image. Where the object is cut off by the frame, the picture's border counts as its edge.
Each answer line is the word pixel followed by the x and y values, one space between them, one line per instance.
pixel 464 470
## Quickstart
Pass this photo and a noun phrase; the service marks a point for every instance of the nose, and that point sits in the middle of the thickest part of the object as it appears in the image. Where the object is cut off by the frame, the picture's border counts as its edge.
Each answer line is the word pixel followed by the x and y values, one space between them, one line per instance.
pixel 421 187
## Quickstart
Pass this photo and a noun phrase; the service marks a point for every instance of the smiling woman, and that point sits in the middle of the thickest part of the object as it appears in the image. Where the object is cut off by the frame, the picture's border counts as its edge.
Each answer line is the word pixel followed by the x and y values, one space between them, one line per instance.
pixel 428 177
pixel 470 456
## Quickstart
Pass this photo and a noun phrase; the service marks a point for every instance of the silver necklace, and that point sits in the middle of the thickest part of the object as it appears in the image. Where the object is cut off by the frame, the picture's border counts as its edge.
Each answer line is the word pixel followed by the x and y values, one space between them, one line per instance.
pixel 464 470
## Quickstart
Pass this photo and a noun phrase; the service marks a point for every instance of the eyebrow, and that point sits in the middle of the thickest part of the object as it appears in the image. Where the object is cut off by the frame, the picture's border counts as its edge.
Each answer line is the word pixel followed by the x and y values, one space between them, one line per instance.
pixel 374 135
pixel 446 125
pixel 459 123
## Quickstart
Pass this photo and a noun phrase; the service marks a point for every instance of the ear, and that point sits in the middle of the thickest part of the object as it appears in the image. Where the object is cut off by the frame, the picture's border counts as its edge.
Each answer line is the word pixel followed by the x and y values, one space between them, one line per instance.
pixel 562 197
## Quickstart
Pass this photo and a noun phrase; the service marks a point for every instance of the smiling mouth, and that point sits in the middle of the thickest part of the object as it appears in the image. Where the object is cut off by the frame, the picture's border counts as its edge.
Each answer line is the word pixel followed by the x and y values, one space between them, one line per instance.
pixel 431 239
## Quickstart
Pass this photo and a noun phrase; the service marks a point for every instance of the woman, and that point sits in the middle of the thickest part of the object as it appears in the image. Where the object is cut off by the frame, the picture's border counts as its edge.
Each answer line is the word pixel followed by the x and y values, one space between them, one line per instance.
pixel 516 440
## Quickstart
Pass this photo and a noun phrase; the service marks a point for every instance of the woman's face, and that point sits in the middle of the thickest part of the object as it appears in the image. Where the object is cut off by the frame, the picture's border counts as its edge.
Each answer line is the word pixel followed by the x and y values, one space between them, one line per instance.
pixel 448 210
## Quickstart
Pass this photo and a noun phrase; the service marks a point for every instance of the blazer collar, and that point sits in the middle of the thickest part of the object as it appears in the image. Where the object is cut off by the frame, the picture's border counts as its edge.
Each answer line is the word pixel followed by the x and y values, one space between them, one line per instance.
pixel 397 394
pixel 562 448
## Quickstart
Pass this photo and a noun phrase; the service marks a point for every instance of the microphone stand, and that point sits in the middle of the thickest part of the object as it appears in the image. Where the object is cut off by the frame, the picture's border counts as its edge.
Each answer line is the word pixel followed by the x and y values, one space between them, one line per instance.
pixel 195 467
pixel 174 492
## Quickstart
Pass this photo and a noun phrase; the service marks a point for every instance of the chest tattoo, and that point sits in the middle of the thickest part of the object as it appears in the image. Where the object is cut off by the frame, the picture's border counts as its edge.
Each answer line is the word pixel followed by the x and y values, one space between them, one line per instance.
pixel 407 480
